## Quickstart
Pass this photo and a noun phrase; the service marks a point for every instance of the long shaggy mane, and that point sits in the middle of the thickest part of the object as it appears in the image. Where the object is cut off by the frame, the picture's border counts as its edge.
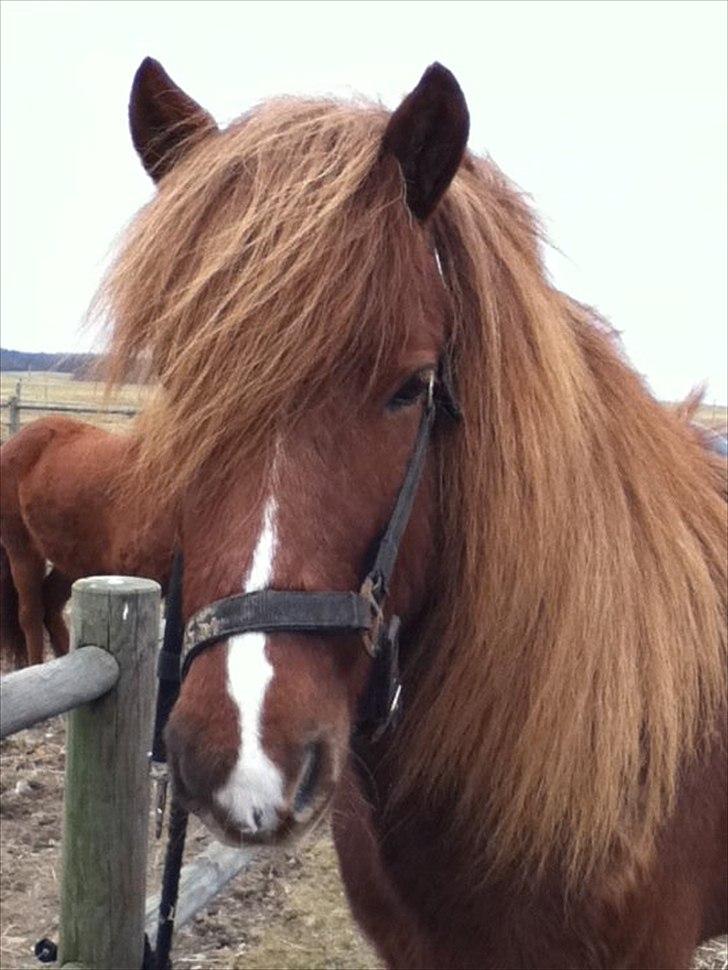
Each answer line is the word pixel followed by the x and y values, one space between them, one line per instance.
pixel 574 662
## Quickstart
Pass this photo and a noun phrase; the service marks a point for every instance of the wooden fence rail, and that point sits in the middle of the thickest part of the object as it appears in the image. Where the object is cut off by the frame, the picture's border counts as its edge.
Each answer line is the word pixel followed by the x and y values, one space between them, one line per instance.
pixel 72 408
pixel 200 881
pixel 45 690
pixel 15 406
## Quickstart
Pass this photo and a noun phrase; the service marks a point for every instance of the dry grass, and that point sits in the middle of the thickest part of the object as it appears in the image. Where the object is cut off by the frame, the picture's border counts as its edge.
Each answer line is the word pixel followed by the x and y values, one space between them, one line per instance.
pixel 713 955
pixel 53 389
pixel 50 387
pixel 713 416
pixel 314 928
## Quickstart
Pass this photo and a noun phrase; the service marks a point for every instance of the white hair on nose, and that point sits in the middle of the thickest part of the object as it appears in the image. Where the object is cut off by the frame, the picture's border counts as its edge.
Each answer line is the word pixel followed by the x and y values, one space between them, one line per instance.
pixel 254 788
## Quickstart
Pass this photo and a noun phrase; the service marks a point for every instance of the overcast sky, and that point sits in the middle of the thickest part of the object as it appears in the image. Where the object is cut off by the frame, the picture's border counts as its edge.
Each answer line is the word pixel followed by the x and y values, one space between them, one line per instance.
pixel 612 115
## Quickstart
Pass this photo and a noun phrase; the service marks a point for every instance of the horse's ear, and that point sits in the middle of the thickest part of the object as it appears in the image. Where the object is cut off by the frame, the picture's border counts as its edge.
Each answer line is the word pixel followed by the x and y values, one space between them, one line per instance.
pixel 427 134
pixel 164 121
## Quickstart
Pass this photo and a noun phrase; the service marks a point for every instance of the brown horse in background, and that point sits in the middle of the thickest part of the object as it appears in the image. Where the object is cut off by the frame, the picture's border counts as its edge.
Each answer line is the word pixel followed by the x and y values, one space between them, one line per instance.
pixel 60 503
pixel 554 794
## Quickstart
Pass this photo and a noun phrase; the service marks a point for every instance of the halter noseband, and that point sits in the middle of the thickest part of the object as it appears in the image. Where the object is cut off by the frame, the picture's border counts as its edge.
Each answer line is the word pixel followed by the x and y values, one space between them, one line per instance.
pixel 362 612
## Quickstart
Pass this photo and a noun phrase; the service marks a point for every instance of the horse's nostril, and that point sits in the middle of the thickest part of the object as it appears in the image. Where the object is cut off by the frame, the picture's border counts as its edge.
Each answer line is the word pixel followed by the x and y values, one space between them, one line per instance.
pixel 310 776
pixel 257 818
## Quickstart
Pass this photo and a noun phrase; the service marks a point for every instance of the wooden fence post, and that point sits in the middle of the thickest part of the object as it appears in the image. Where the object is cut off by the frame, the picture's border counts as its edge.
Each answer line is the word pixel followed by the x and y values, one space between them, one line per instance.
pixel 106 803
pixel 13 414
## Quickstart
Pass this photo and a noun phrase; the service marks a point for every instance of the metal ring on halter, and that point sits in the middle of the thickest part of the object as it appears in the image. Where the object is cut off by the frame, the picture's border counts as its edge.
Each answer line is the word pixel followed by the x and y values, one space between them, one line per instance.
pixel 370 637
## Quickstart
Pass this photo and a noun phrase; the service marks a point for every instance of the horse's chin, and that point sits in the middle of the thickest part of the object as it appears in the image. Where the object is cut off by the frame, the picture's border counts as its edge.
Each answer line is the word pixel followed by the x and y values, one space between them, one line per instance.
pixel 289 833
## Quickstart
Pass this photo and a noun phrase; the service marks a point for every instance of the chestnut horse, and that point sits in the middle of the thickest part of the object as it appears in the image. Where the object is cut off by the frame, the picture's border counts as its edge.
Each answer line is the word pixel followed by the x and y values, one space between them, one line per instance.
pixel 553 792
pixel 59 502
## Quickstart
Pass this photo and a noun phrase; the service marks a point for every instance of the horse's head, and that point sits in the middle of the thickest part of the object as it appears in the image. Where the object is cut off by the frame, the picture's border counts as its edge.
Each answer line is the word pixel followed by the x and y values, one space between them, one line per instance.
pixel 261 731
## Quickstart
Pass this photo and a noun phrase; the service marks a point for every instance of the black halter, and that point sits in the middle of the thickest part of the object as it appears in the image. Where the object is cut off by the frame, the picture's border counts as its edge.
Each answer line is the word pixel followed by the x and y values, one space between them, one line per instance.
pixel 271 610
pixel 362 612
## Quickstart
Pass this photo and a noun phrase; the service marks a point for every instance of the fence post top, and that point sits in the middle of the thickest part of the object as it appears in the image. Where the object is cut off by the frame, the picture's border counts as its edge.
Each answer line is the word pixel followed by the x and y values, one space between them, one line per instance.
pixel 114 585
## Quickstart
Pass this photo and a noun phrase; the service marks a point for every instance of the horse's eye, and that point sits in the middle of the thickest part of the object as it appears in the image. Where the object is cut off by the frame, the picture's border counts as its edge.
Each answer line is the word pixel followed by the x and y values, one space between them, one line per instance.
pixel 412 390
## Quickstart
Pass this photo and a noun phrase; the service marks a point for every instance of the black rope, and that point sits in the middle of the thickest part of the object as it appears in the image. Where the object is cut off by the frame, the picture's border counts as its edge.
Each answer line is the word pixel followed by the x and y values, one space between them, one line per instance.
pixel 170 885
pixel 169 677
pixel 168 661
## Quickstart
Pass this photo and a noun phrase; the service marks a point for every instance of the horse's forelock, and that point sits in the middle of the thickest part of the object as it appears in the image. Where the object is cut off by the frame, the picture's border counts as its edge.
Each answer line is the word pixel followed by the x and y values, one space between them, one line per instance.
pixel 276 262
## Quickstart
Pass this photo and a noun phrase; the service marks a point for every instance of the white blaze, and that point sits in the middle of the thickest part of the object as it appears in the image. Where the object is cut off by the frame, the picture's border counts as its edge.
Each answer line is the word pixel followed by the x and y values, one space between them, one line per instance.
pixel 254 788
pixel 261 568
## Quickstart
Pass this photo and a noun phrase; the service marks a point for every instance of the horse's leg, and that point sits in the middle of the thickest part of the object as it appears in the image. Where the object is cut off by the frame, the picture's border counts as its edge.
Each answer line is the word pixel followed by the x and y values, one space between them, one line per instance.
pixel 28 569
pixel 56 591
pixel 12 638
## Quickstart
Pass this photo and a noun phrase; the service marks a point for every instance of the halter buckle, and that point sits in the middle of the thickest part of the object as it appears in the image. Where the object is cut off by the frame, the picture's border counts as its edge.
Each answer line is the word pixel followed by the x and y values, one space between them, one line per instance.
pixel 371 590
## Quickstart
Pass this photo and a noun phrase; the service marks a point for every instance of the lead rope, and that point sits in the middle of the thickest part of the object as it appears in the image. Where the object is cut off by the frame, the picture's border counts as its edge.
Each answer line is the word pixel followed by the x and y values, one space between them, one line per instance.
pixel 170 886
pixel 169 676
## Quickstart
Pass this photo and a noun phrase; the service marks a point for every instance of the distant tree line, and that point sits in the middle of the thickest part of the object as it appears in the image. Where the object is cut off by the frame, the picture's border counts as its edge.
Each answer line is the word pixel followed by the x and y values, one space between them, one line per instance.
pixel 82 366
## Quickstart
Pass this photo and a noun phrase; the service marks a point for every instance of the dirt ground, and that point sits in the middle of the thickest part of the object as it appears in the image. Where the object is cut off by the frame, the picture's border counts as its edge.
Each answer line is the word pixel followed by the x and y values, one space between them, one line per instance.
pixel 286 911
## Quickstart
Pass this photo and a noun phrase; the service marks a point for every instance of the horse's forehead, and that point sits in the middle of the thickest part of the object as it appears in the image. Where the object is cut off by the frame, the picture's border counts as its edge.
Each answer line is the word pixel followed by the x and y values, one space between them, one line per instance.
pixel 425 303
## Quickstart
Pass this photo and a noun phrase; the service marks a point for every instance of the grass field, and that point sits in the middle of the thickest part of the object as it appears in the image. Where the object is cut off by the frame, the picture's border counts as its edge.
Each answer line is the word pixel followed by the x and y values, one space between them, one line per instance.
pixel 49 387
pixel 714 417
pixel 53 389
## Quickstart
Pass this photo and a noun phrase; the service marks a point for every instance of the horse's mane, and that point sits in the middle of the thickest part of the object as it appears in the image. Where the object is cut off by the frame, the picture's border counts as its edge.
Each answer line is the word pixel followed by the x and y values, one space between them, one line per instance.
pixel 575 657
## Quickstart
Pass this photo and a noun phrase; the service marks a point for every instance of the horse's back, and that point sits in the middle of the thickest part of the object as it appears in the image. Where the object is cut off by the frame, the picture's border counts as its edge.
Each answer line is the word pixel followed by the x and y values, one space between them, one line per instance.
pixel 19 454
pixel 56 475
pixel 22 452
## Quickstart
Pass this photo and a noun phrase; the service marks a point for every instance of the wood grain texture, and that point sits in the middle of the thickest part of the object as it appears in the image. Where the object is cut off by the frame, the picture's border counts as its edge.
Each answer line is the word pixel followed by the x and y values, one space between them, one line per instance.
pixel 36 693
pixel 200 881
pixel 107 785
